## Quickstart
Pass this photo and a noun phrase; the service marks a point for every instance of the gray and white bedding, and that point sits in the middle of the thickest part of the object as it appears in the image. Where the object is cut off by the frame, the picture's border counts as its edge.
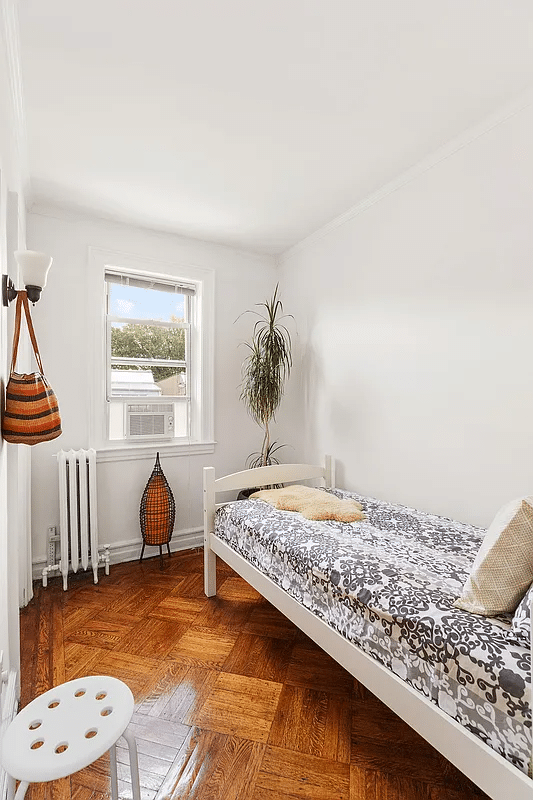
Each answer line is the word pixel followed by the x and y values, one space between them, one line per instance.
pixel 388 584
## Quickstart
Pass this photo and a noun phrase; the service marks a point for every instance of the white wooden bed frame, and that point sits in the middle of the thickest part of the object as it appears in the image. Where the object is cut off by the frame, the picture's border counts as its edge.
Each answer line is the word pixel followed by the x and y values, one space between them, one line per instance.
pixel 486 768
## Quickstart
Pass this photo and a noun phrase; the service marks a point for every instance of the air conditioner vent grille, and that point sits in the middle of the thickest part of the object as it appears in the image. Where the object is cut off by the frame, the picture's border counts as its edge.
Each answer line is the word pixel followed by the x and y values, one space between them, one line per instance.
pixel 150 421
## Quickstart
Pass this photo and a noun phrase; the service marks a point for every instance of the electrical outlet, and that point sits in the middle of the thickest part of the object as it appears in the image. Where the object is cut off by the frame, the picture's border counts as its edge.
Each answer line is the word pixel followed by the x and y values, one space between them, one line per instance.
pixel 51 545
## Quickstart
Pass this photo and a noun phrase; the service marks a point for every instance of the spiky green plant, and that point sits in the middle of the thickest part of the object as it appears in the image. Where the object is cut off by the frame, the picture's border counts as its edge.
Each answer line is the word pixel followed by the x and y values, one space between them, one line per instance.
pixel 265 370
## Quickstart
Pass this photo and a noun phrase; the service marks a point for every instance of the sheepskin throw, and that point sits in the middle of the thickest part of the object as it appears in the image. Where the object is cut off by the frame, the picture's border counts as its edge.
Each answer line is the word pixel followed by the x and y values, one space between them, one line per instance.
pixel 311 503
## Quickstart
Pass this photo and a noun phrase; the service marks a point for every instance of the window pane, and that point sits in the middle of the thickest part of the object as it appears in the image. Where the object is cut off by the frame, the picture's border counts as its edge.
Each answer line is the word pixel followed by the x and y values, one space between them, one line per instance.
pixel 171 380
pixel 147 341
pixel 128 381
pixel 136 303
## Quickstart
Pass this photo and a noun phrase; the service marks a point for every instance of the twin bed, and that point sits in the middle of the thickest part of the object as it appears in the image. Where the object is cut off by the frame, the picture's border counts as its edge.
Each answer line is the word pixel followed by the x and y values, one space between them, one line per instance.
pixel 378 595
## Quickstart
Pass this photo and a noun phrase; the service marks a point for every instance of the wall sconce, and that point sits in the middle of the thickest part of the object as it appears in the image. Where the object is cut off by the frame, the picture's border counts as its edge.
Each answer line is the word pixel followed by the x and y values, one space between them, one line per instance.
pixel 34 268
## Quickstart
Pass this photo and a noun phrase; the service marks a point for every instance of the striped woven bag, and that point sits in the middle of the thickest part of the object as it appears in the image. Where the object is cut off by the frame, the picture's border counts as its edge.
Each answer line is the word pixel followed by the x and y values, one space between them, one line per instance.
pixel 31 413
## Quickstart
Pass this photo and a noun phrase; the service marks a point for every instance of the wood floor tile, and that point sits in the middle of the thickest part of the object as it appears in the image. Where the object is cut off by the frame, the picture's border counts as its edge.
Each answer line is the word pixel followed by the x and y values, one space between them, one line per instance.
pixel 266 620
pixel 311 667
pixel 285 773
pixel 383 743
pixel 84 593
pixel 261 657
pixel 96 775
pixel 240 706
pixel 375 786
pixel 80 659
pixel 162 685
pixel 80 792
pixel 213 766
pixel 182 610
pixel 57 652
pixel 61 789
pixel 189 696
pixel 148 762
pixel 192 586
pixel 163 752
pixel 204 647
pixel 135 671
pixel 238 589
pixel 229 615
pixel 141 601
pixel 159 731
pixel 312 722
pixel 151 635
pixel 101 632
pixel 125 792
pixel 75 617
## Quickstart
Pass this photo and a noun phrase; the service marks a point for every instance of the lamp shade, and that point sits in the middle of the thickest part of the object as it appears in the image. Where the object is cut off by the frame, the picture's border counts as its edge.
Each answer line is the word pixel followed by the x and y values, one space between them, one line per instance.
pixel 34 267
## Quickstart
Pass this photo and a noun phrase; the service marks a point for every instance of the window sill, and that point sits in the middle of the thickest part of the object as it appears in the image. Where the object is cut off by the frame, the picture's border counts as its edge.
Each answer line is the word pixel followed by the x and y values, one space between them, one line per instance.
pixel 136 452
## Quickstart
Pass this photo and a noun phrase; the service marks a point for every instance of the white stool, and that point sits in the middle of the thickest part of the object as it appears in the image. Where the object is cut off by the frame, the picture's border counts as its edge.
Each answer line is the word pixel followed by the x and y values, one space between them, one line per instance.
pixel 66 729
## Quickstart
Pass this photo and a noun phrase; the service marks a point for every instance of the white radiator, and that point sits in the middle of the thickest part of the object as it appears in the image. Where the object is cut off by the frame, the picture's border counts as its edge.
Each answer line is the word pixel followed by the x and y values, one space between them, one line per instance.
pixel 78 517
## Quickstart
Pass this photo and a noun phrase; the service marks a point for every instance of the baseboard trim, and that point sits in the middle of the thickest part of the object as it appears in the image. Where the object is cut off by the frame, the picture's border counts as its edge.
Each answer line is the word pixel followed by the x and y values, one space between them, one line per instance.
pixel 130 550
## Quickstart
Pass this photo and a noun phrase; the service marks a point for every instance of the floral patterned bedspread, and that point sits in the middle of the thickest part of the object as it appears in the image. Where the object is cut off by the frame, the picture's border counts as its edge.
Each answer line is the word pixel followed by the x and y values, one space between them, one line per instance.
pixel 388 585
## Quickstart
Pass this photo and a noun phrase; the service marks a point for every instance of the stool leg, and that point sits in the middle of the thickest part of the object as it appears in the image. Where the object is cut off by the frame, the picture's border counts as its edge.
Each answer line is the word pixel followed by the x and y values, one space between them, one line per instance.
pixel 134 764
pixel 21 791
pixel 11 783
pixel 113 770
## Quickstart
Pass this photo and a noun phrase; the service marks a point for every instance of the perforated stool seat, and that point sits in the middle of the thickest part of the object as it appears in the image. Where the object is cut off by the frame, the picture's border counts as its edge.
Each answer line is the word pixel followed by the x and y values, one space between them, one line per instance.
pixel 66 729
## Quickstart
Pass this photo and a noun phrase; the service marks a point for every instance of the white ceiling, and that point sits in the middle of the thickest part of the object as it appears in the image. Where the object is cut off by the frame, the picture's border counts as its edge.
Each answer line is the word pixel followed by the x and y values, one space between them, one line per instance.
pixel 254 123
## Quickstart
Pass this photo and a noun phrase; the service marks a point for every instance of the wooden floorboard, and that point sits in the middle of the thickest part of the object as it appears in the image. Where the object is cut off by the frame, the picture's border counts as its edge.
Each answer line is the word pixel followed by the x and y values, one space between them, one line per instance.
pixel 232 701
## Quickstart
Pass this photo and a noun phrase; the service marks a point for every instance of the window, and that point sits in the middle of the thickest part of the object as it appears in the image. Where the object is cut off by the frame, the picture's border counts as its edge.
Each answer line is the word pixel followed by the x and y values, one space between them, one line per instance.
pixel 155 354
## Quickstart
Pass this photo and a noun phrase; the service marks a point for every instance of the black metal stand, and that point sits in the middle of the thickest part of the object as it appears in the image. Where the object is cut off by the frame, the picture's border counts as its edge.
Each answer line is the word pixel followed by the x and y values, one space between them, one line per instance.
pixel 160 552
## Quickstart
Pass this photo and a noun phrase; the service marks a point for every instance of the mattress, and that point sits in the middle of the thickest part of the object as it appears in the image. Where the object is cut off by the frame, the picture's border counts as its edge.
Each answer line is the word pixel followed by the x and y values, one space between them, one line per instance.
pixel 388 585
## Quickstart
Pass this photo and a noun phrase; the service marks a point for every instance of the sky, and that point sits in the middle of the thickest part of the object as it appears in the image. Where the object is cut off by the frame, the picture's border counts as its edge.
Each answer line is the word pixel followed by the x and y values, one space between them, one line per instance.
pixel 130 301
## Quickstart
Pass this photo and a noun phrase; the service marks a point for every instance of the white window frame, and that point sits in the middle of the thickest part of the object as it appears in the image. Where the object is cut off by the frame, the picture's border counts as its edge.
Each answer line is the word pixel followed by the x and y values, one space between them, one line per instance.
pixel 201 343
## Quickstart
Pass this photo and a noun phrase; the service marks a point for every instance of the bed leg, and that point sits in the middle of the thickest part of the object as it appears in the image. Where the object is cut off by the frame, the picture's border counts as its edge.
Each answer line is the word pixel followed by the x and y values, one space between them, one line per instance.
pixel 210 559
pixel 210 572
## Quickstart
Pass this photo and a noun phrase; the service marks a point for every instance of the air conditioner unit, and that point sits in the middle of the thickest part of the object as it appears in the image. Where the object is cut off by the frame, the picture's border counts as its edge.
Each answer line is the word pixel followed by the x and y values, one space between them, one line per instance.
pixel 149 421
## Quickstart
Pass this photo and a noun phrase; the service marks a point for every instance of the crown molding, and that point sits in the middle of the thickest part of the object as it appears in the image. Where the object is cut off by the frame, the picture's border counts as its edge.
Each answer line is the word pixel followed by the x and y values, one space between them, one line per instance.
pixel 464 139
pixel 10 25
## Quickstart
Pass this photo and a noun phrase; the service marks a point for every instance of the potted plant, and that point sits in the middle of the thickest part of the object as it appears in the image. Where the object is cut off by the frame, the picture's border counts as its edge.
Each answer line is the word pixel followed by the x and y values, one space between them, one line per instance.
pixel 264 372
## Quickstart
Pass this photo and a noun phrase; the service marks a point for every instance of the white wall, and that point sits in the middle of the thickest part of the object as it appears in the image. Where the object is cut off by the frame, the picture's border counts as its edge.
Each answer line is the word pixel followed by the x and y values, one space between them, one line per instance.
pixel 416 325
pixel 63 324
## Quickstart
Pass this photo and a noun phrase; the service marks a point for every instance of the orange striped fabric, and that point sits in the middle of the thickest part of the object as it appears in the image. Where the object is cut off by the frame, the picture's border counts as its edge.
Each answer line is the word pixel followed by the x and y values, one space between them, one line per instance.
pixel 31 413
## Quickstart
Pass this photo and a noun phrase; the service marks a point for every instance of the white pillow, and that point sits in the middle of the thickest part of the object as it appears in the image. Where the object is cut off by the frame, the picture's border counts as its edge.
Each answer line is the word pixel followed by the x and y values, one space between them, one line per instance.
pixel 503 567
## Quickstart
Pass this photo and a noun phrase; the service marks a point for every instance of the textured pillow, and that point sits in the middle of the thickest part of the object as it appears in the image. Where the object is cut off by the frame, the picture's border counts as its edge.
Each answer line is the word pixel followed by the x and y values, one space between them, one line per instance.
pixel 311 503
pixel 520 632
pixel 503 567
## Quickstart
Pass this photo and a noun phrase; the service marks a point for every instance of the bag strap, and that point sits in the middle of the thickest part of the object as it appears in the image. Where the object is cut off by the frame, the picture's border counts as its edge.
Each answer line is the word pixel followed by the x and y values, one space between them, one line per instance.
pixel 22 300
pixel 16 333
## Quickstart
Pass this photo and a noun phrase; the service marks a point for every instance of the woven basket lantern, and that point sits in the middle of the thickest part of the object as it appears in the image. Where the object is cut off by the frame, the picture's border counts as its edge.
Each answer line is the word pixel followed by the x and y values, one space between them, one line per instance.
pixel 158 511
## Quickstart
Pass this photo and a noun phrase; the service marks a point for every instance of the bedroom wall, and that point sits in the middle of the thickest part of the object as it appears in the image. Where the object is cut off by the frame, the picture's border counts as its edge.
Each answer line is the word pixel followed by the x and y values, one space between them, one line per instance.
pixel 416 328
pixel 63 323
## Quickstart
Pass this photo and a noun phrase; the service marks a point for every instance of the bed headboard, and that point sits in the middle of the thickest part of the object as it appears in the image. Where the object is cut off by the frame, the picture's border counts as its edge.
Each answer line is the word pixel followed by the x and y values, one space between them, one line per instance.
pixel 276 473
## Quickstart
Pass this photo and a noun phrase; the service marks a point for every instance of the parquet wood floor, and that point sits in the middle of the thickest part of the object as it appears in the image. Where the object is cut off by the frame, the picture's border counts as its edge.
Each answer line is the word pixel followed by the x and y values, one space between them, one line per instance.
pixel 232 701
